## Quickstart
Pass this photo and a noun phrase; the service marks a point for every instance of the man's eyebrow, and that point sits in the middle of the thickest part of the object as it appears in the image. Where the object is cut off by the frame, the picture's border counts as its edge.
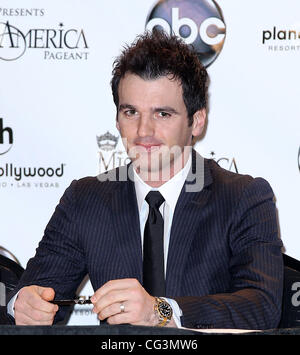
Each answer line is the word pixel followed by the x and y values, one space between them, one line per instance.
pixel 154 109
pixel 126 106
pixel 165 108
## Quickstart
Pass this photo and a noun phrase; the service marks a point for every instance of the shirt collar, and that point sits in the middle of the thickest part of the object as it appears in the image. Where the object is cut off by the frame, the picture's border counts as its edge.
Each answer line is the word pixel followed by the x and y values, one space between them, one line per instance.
pixel 170 190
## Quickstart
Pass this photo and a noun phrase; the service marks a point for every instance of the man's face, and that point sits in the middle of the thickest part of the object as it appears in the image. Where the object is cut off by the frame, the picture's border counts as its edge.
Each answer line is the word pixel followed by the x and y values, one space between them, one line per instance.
pixel 153 122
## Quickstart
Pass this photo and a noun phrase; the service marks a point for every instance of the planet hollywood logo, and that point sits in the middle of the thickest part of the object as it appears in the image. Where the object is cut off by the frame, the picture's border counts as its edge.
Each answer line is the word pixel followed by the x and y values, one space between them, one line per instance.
pixel 281 39
pixel 19 172
pixel 58 43
pixel 6 138
pixel 16 176
pixel 199 23
pixel 12 175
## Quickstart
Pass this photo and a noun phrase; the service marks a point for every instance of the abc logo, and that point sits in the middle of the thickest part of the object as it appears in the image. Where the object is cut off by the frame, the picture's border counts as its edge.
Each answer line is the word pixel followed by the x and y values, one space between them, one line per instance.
pixel 197 22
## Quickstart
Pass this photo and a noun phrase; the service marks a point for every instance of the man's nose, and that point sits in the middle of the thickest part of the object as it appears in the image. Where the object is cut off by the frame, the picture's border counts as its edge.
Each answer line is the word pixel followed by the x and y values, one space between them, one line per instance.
pixel 145 126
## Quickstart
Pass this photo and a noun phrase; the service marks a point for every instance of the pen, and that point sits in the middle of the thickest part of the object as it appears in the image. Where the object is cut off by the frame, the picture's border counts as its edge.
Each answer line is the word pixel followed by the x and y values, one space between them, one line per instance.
pixel 68 302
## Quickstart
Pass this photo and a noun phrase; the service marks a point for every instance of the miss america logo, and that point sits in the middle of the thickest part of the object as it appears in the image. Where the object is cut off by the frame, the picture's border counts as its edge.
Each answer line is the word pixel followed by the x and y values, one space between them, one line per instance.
pixel 58 43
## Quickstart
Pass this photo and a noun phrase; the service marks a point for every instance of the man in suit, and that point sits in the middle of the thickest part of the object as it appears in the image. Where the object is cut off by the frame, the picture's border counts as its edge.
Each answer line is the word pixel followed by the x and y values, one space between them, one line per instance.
pixel 172 239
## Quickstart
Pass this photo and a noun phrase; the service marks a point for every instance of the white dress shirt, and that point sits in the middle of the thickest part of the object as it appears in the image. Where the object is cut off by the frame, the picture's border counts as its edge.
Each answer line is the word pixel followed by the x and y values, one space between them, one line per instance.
pixel 170 192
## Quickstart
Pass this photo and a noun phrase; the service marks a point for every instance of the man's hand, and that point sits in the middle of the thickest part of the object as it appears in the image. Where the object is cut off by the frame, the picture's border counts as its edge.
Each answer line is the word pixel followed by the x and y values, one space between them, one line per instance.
pixel 32 306
pixel 138 304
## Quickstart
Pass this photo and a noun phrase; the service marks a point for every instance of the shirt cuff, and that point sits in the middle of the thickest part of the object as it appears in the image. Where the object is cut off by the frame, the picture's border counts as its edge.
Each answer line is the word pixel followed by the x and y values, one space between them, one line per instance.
pixel 177 312
pixel 11 305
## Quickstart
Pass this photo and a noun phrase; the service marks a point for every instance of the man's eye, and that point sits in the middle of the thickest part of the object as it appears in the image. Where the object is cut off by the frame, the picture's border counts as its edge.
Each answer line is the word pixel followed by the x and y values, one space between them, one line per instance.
pixel 163 115
pixel 130 113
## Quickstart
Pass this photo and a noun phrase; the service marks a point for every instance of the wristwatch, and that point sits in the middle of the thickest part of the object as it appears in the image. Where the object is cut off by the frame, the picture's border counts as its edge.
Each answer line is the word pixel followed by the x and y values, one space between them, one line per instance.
pixel 163 310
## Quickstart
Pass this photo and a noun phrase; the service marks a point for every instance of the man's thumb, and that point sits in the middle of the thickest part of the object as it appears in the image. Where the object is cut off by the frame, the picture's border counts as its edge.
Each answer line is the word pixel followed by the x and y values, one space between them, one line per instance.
pixel 47 293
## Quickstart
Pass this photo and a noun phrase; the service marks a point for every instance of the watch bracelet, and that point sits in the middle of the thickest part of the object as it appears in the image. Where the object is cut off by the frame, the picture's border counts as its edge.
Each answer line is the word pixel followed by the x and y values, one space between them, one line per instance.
pixel 162 321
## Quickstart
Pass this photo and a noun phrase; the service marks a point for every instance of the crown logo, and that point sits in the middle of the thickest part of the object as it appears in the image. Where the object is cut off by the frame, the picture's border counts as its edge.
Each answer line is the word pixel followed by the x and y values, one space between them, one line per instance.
pixel 107 141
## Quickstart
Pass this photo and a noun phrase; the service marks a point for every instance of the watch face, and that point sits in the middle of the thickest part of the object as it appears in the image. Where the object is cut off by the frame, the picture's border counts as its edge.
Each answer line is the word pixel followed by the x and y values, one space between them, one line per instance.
pixel 165 309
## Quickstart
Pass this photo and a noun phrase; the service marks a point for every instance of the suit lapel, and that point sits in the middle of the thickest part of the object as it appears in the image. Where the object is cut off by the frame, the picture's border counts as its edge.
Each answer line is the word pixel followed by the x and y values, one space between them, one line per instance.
pixel 189 213
pixel 126 225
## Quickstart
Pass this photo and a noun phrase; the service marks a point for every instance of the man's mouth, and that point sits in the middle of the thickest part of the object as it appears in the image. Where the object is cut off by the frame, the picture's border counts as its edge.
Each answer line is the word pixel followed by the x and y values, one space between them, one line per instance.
pixel 149 147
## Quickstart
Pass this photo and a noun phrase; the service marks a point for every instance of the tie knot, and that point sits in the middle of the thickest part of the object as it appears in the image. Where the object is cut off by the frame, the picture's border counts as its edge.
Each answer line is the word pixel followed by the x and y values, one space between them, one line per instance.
pixel 154 199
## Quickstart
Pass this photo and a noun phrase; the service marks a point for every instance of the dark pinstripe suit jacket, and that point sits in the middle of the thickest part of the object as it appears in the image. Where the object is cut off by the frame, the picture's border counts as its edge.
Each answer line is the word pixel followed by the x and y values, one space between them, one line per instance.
pixel 224 266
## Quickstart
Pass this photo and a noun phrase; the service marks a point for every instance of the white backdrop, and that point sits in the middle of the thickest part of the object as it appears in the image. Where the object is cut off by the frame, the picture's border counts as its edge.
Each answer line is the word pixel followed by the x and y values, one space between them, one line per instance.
pixel 55 99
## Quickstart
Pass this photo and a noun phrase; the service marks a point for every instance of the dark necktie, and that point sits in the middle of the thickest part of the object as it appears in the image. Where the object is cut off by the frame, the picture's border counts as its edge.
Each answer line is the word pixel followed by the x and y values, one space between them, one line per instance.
pixel 153 260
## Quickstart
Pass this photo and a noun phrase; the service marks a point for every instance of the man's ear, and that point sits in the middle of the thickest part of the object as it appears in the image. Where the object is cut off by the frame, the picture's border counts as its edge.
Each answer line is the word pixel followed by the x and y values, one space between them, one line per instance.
pixel 199 119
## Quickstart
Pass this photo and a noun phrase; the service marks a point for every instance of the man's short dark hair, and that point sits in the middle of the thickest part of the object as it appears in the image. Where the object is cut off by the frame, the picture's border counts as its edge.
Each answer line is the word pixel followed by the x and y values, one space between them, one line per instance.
pixel 156 54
